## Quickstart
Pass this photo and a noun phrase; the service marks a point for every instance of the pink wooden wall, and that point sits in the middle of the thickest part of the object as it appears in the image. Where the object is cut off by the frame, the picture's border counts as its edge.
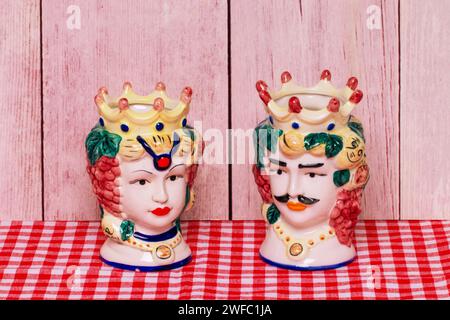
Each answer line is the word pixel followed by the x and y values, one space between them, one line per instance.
pixel 50 71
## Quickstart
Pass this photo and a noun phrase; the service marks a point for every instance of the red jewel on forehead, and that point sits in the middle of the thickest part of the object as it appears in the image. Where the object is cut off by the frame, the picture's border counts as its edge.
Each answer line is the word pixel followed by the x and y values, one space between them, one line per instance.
pixel 163 163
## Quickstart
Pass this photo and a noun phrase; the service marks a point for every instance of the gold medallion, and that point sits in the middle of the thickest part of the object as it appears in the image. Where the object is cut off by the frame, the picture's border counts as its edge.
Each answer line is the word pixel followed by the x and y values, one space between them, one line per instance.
pixel 296 249
pixel 163 252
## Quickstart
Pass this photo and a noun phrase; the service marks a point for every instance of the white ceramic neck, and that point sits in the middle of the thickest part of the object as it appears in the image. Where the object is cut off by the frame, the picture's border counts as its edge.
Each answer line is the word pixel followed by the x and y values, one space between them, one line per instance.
pixel 303 231
pixel 152 230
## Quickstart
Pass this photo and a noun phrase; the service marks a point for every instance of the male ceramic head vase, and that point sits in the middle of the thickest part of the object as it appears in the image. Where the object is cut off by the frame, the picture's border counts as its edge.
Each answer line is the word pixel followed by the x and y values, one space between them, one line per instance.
pixel 311 171
pixel 142 160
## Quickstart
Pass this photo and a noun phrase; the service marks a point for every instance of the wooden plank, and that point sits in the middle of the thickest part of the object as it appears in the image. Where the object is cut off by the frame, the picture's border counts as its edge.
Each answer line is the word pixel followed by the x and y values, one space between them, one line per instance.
pixel 180 43
pixel 425 65
pixel 20 80
pixel 305 37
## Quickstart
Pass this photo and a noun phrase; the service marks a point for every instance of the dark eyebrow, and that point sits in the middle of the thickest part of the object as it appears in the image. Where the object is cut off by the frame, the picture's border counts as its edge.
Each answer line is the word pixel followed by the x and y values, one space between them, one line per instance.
pixel 181 164
pixel 277 162
pixel 310 165
pixel 142 171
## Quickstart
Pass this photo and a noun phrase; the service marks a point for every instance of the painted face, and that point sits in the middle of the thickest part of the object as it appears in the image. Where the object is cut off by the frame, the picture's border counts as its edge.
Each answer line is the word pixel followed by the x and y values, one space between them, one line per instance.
pixel 302 188
pixel 150 197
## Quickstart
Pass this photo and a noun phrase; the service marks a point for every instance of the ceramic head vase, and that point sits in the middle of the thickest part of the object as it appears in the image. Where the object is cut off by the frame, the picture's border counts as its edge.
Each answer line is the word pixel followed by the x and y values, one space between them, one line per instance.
pixel 142 161
pixel 311 171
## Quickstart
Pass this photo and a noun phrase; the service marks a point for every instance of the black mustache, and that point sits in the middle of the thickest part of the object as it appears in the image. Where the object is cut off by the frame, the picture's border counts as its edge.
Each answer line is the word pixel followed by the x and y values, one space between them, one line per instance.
pixel 301 198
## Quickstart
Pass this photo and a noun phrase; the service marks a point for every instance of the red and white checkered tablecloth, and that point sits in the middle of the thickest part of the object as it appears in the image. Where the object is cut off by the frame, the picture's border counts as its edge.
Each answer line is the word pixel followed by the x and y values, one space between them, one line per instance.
pixel 59 260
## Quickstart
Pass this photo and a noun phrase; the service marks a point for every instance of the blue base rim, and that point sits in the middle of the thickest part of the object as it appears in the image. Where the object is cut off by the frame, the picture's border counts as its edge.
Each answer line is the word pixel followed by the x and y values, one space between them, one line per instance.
pixel 147 268
pixel 312 268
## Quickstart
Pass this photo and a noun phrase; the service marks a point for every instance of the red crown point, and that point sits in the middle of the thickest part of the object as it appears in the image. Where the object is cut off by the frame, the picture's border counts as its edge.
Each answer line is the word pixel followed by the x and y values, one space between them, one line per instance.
pixel 103 90
pixel 158 104
pixel 160 86
pixel 285 77
pixel 186 95
pixel 265 96
pixel 127 85
pixel 261 85
pixel 356 96
pixel 187 91
pixel 352 83
pixel 98 98
pixel 163 162
pixel 123 104
pixel 333 105
pixel 294 105
pixel 326 75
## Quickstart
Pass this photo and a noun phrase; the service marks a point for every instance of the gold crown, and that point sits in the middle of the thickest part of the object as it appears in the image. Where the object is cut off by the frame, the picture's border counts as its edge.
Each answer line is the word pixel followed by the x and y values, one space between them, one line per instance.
pixel 130 114
pixel 321 105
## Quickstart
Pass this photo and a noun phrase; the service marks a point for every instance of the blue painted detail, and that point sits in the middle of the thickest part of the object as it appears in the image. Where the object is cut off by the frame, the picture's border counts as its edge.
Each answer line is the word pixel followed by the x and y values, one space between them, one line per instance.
pixel 184 122
pixel 287 266
pixel 270 119
pixel 159 126
pixel 169 234
pixel 124 127
pixel 102 122
pixel 158 157
pixel 295 125
pixel 330 126
pixel 147 268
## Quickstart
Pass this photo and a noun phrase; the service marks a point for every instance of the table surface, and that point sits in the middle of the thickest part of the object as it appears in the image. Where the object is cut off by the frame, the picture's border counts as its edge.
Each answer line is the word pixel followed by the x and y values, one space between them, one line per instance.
pixel 59 260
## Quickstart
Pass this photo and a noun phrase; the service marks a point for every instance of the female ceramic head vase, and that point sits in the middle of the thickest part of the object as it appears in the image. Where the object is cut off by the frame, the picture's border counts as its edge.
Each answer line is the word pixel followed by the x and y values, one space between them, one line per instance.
pixel 311 170
pixel 142 160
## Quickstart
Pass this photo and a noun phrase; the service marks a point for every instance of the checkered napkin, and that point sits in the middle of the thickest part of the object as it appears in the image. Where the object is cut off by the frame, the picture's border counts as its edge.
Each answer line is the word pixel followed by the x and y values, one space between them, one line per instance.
pixel 59 260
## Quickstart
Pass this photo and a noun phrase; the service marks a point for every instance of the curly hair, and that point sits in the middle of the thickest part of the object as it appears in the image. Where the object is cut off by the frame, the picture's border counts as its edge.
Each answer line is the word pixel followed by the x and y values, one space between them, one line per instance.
pixel 345 214
pixel 104 175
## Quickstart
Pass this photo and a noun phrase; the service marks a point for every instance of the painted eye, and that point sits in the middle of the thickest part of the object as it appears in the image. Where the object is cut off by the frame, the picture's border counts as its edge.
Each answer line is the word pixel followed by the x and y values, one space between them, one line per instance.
pixel 184 122
pixel 279 172
pixel 159 126
pixel 124 127
pixel 312 174
pixel 330 126
pixel 142 182
pixel 173 177
pixel 102 122
pixel 295 125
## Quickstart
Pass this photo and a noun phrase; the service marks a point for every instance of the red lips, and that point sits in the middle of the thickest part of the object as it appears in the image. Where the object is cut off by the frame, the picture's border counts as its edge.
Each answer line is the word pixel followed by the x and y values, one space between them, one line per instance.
pixel 161 211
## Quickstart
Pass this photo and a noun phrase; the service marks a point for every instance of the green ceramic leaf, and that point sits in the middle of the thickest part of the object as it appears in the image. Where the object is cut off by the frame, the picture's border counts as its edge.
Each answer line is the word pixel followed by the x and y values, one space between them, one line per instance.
pixel 357 128
pixel 100 142
pixel 265 137
pixel 190 132
pixel 313 140
pixel 126 229
pixel 257 147
pixel 333 143
pixel 273 214
pixel 333 146
pixel 341 177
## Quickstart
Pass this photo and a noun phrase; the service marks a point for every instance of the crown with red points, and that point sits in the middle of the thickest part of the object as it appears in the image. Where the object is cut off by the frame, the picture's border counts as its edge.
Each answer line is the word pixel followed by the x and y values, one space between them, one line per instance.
pixel 152 123
pixel 309 109
pixel 130 114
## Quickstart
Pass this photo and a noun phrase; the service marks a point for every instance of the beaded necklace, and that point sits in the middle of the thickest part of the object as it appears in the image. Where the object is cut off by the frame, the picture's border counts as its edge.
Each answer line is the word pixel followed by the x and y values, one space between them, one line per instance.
pixel 298 248
pixel 160 246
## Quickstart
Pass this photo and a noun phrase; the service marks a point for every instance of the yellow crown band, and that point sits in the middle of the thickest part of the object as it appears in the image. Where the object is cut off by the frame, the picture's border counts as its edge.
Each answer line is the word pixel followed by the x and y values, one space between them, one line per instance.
pixel 156 118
